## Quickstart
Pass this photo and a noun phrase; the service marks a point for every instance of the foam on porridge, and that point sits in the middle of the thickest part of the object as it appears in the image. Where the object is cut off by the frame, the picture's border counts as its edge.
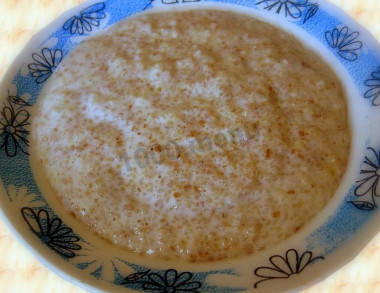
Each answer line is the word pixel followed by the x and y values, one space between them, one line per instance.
pixel 183 77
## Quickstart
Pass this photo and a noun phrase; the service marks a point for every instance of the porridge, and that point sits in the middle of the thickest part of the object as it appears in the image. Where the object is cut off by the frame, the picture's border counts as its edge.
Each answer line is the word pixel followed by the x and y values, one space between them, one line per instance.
pixel 197 135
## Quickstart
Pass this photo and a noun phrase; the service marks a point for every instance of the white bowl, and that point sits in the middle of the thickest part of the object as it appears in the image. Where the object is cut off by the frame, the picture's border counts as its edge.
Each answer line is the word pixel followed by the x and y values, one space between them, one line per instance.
pixel 335 236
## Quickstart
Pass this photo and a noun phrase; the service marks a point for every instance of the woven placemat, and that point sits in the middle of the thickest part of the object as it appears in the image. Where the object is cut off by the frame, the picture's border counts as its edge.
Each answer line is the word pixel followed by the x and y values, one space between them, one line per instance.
pixel 21 272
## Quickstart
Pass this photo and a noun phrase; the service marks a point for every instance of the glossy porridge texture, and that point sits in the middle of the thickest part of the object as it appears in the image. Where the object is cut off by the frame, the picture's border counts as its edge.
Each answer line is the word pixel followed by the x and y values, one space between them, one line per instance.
pixel 257 124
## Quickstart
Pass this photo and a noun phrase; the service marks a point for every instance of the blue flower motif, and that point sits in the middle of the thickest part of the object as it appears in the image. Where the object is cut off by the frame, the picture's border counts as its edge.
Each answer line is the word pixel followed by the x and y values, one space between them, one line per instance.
pixel 293 8
pixel 12 131
pixel 371 171
pixel 50 231
pixel 45 64
pixel 86 19
pixel 284 267
pixel 13 122
pixel 171 282
pixel 346 43
pixel 374 85
pixel 369 184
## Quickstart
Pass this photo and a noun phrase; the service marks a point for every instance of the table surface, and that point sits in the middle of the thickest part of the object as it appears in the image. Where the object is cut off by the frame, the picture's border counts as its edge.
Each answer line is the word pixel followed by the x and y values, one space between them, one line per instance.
pixel 21 272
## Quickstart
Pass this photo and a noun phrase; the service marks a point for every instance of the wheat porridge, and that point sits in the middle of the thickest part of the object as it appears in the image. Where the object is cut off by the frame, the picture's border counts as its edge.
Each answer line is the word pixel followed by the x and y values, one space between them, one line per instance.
pixel 197 135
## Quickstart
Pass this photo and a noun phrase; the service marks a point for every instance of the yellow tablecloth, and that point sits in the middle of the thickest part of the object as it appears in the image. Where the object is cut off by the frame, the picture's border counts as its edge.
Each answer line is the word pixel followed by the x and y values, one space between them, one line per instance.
pixel 21 272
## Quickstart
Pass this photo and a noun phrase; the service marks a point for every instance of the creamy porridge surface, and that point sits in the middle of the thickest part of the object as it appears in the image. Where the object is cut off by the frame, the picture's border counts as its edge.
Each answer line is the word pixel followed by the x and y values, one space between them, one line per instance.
pixel 257 127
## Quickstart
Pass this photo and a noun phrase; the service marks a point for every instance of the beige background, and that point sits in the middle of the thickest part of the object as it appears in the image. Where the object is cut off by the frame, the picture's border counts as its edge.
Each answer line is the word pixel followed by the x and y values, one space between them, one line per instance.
pixel 20 272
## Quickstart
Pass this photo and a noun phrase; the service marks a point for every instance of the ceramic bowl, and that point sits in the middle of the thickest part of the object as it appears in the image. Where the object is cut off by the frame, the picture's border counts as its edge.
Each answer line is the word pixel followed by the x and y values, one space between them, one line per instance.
pixel 331 239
